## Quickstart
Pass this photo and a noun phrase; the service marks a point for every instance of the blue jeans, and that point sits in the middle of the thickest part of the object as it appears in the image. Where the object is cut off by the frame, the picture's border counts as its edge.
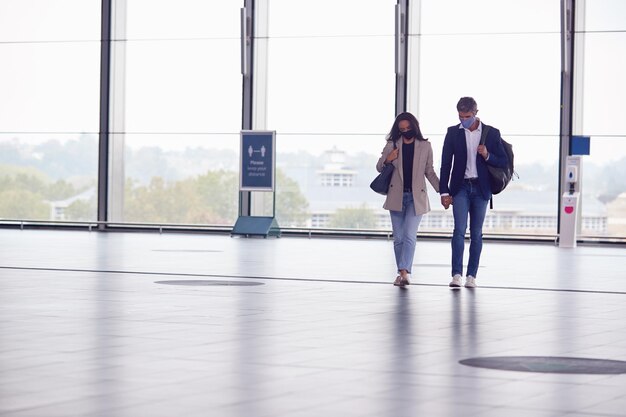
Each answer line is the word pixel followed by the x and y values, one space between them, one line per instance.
pixel 468 201
pixel 404 224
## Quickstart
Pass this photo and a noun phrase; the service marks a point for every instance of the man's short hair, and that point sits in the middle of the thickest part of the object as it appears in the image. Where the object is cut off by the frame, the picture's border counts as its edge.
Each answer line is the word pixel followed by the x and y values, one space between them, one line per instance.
pixel 466 104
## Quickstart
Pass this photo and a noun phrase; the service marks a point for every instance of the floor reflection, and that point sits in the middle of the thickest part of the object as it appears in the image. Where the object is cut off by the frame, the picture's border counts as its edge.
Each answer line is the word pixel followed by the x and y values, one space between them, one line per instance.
pixel 402 357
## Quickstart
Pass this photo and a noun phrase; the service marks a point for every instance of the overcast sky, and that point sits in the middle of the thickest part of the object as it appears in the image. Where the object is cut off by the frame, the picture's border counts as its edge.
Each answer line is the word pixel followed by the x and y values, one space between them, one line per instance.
pixel 330 70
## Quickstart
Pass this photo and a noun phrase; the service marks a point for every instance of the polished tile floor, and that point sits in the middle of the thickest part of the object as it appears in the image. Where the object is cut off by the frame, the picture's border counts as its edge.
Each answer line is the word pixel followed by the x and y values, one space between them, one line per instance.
pixel 91 325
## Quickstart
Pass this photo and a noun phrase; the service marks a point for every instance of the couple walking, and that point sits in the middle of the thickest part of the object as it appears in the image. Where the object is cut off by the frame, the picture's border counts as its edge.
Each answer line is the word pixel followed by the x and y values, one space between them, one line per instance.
pixel 463 183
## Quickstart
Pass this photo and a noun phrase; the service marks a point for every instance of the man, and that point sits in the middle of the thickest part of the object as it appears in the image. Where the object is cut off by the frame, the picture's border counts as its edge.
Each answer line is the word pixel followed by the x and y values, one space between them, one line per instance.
pixel 464 183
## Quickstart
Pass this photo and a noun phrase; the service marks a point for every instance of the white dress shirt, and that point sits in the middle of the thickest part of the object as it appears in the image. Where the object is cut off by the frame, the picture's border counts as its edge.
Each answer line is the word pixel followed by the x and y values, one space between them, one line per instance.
pixel 472 140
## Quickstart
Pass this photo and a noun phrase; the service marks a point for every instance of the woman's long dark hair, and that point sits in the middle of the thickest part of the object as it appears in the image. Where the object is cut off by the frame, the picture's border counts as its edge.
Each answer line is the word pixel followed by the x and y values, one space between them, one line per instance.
pixel 394 133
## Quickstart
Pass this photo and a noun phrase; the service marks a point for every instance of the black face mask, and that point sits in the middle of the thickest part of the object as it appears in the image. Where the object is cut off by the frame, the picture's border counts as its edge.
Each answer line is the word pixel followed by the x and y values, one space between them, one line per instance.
pixel 408 134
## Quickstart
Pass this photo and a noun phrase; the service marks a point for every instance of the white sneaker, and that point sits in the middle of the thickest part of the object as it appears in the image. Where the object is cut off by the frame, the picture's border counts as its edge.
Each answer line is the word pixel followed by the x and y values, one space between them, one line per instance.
pixel 456 281
pixel 470 282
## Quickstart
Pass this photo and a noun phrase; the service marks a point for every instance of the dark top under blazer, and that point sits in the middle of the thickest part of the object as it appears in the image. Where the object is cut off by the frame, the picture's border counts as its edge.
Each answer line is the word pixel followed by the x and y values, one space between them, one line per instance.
pixel 422 170
pixel 454 160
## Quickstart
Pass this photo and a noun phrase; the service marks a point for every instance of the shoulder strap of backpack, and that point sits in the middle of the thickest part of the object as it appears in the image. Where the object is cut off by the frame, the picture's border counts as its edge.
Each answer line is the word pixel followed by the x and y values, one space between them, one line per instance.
pixel 483 135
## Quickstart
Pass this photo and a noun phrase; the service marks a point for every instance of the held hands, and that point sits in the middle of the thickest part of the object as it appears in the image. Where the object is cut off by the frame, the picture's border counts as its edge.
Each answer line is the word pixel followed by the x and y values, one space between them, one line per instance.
pixel 392 155
pixel 482 150
pixel 446 200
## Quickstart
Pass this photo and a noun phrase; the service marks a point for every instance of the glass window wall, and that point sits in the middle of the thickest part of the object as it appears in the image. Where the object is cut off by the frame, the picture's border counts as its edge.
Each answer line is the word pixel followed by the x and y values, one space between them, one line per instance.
pixel 176 112
pixel 49 105
pixel 323 78
pixel 330 97
pixel 599 94
pixel 505 54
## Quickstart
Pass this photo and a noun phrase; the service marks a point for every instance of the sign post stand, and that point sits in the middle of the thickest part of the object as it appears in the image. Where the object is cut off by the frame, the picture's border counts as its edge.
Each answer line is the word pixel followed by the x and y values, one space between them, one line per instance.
pixel 257 173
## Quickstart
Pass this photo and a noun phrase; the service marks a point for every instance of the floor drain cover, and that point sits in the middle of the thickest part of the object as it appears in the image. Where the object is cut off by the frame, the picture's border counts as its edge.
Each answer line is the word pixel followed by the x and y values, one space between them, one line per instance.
pixel 548 364
pixel 211 283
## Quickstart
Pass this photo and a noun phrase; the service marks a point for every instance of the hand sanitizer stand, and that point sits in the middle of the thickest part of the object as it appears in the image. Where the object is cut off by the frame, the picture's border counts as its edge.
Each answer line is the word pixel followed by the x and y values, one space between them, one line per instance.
pixel 570 215
pixel 569 220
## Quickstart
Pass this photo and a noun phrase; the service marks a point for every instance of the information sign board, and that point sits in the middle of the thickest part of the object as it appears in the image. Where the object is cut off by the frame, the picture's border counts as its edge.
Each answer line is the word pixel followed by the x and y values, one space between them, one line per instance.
pixel 257 161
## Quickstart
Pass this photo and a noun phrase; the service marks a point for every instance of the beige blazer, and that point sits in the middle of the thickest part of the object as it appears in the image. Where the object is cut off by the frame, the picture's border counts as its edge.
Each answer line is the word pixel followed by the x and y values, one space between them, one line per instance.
pixel 422 169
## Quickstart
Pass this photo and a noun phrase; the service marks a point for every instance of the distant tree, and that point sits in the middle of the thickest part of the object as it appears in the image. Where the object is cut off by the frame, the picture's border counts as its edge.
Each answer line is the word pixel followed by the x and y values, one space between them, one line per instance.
pixel 24 181
pixel 218 191
pixel 76 157
pixel 10 171
pixel 26 191
pixel 211 198
pixel 613 181
pixel 354 218
pixel 148 203
pixel 143 163
pixel 11 152
pixel 291 204
pixel 81 210
pixel 60 190
pixel 23 204
pixel 207 199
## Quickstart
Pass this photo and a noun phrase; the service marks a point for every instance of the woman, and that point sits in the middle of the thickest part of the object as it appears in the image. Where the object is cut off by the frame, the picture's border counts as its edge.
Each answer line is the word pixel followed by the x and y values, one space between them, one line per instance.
pixel 412 156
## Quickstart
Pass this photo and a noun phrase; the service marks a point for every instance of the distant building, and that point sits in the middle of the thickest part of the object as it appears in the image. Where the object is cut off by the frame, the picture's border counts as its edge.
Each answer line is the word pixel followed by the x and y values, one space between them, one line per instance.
pixel 335 173
pixel 617 215
pixel 57 208
pixel 333 184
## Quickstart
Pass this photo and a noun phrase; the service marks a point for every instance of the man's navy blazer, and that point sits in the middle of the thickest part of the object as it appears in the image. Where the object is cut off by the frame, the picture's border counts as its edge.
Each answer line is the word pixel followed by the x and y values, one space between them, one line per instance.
pixel 454 160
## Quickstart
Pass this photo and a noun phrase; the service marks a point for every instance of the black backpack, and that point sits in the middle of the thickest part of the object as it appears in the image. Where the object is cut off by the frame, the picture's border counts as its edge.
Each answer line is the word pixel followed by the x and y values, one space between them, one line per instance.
pixel 499 178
